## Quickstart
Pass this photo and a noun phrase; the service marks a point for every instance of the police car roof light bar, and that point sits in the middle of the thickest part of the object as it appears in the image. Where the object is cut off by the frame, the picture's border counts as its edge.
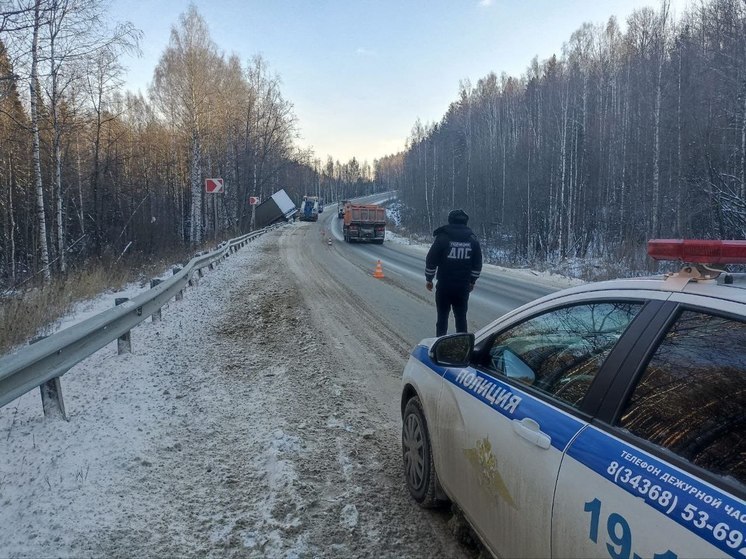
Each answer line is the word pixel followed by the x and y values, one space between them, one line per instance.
pixel 698 251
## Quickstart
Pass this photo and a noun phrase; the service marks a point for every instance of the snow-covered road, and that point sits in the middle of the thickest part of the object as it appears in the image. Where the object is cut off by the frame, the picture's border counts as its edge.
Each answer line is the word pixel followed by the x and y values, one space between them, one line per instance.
pixel 249 422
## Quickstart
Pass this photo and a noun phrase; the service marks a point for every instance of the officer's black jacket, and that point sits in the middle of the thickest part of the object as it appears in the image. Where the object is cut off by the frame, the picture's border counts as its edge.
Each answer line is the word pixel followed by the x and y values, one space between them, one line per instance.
pixel 456 255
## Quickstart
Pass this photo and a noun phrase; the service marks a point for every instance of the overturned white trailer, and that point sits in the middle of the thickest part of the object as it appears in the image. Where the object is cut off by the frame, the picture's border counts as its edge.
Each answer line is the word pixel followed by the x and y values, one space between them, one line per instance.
pixel 277 207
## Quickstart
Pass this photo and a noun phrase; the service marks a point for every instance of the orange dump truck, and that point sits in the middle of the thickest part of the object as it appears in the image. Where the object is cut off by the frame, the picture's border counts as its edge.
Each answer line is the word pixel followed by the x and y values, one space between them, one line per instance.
pixel 364 223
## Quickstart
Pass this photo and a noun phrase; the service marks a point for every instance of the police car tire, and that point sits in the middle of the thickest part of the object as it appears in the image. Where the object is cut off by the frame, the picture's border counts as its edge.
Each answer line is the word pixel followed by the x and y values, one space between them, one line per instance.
pixel 426 491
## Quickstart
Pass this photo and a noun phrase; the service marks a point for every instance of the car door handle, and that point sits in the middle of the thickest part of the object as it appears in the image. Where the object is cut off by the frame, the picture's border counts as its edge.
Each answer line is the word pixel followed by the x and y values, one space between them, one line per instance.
pixel 531 431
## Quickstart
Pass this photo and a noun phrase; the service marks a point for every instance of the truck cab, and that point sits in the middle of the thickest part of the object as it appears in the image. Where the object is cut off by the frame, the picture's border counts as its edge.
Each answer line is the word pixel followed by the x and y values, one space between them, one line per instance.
pixel 309 208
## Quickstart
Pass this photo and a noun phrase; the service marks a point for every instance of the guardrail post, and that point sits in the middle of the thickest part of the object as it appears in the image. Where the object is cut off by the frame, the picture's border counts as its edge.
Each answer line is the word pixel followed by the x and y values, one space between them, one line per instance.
pixel 156 316
pixel 180 294
pixel 193 280
pixel 51 395
pixel 51 399
pixel 124 342
pixel 200 273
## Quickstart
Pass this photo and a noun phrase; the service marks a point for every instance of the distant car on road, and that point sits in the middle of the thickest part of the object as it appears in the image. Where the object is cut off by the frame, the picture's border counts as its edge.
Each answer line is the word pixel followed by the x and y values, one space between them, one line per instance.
pixel 606 420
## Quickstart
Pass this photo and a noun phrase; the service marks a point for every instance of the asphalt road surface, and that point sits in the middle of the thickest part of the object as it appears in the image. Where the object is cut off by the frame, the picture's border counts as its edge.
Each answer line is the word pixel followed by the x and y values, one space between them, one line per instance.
pixel 400 300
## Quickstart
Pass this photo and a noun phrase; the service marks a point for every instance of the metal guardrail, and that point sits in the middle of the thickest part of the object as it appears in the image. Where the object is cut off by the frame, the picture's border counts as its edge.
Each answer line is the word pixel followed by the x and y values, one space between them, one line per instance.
pixel 44 362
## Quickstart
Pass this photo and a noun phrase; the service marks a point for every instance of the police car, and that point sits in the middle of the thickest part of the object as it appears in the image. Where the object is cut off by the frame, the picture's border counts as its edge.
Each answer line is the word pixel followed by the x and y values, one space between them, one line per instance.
pixel 607 420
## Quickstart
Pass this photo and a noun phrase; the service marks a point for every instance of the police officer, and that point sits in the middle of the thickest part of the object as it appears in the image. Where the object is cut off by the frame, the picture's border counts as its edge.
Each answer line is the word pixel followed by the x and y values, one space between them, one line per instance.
pixel 457 257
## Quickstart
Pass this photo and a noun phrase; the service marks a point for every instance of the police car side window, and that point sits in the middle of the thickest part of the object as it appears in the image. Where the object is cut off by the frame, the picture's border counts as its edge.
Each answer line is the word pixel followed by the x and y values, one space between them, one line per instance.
pixel 560 352
pixel 692 395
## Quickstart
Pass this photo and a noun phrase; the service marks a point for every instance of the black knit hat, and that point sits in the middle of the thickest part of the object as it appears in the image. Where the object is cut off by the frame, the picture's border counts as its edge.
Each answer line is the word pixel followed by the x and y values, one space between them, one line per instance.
pixel 458 216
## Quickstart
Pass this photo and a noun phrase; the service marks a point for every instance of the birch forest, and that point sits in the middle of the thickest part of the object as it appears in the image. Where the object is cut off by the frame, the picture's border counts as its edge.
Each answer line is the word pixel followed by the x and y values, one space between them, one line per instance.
pixel 628 135
pixel 634 131
pixel 91 172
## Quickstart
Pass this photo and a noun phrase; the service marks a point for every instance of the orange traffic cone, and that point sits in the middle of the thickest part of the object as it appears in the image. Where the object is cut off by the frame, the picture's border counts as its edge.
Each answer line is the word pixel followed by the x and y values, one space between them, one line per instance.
pixel 379 271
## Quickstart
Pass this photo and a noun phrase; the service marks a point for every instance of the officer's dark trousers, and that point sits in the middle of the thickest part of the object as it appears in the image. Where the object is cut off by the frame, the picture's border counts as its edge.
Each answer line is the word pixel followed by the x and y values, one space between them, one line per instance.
pixel 447 297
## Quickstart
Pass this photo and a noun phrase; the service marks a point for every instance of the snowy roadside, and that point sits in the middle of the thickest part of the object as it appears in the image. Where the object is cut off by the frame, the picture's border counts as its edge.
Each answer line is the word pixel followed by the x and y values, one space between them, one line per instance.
pixel 548 279
pixel 63 483
pixel 222 434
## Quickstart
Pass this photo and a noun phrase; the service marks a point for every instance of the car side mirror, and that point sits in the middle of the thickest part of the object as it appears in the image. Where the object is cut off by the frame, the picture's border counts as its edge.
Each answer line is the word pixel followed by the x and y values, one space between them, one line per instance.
pixel 452 351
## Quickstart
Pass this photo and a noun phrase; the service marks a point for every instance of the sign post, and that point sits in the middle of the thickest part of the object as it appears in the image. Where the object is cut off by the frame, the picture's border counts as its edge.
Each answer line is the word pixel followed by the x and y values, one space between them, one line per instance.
pixel 253 202
pixel 214 186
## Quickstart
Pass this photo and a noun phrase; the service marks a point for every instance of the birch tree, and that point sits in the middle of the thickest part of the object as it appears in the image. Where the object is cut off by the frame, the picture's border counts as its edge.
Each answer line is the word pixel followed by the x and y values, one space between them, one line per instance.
pixel 75 33
pixel 34 100
pixel 185 82
pixel 624 137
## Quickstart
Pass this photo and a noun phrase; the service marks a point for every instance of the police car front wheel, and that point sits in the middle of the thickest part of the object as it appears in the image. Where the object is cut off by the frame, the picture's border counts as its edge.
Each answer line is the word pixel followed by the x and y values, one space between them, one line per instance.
pixel 417 455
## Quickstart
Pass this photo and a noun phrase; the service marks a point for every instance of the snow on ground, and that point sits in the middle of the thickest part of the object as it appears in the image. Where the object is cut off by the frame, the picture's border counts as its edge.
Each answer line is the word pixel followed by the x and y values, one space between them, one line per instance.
pixel 83 310
pixel 79 488
pixel 218 436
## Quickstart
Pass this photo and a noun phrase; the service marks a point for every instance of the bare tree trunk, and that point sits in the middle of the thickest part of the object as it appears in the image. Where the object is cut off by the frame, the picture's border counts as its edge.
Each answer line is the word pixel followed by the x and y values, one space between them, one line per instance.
pixel 58 198
pixel 623 185
pixel 435 171
pixel 468 156
pixel 11 219
pixel 655 225
pixel 679 185
pixel 428 203
pixel 97 207
pixel 57 187
pixel 656 160
pixel 613 149
pixel 195 235
pixel 33 91
pixel 256 189
pixel 743 146
pixel 502 195
pixel 529 244
pixel 453 177
pixel 563 177
pixel 56 138
pixel 81 213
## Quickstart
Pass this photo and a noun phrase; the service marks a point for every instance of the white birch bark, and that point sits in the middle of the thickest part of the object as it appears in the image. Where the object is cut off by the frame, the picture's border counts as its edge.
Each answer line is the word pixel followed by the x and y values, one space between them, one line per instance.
pixel 679 185
pixel 563 174
pixel 36 155
pixel 655 225
pixel 12 220
pixel 196 180
pixel 743 146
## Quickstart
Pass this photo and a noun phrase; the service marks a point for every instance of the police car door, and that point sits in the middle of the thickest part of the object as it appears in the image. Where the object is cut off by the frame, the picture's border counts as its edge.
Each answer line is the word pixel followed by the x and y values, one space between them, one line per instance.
pixel 663 472
pixel 520 403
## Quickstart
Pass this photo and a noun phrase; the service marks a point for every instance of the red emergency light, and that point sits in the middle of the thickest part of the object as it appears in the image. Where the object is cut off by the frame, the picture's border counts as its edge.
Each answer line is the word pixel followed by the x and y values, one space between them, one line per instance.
pixel 698 251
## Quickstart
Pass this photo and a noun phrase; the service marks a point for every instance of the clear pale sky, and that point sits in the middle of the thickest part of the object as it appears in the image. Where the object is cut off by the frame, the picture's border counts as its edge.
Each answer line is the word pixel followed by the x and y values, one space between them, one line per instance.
pixel 360 72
